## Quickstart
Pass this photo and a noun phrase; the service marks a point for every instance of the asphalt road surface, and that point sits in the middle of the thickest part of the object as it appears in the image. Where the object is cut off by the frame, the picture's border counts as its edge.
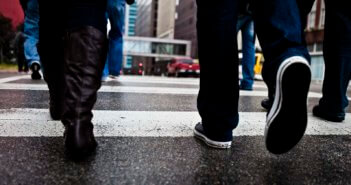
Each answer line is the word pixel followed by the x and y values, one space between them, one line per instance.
pixel 144 130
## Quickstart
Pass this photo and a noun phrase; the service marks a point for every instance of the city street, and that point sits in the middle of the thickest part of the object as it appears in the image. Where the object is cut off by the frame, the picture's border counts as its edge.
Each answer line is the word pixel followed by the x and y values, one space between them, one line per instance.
pixel 144 129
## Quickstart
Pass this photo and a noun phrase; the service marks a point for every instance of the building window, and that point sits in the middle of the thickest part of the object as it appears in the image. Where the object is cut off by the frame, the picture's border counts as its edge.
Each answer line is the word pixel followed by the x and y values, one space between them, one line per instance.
pixel 312 17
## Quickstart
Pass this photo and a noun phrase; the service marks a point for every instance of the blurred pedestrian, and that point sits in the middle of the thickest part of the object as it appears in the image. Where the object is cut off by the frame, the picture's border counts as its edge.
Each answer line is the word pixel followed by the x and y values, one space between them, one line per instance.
pixel 31 32
pixel 246 25
pixel 116 15
pixel 337 60
pixel 19 50
pixel 277 23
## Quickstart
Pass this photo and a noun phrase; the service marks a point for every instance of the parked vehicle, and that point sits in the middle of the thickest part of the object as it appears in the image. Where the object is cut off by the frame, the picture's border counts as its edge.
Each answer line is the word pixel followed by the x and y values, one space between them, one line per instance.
pixel 182 67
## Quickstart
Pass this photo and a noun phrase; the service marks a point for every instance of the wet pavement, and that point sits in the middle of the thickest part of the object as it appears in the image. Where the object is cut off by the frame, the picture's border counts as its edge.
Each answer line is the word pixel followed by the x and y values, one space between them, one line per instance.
pixel 149 159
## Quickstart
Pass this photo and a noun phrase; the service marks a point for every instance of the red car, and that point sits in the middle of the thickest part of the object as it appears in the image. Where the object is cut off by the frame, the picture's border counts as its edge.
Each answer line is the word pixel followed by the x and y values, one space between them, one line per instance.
pixel 183 67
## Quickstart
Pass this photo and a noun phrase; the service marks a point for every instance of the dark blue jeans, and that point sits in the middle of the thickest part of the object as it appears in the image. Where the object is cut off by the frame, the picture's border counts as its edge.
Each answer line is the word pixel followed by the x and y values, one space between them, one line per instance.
pixel 337 56
pixel 246 25
pixel 278 27
pixel 31 31
pixel 115 13
pixel 337 53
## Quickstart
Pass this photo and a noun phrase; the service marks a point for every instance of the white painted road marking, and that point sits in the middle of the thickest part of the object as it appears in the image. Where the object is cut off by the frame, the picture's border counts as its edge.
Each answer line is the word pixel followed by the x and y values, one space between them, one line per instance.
pixel 142 90
pixel 36 123
pixel 14 78
pixel 142 80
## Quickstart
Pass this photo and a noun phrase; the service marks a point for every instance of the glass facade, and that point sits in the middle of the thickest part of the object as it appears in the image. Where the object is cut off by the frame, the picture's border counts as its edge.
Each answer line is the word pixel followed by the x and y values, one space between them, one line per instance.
pixel 144 47
pixel 131 16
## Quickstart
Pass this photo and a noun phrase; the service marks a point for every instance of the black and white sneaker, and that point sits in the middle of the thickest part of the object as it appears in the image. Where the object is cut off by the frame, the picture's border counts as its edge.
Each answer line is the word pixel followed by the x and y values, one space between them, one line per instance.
pixel 287 119
pixel 200 134
pixel 35 67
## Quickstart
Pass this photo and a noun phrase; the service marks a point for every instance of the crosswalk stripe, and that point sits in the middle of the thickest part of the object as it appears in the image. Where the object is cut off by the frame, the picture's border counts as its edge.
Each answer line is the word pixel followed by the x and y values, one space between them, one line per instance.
pixel 142 90
pixel 141 80
pixel 13 78
pixel 37 123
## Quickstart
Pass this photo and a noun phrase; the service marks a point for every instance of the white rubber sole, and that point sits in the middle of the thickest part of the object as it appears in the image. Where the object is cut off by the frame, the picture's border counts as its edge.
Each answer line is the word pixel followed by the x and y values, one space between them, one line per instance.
pixel 211 143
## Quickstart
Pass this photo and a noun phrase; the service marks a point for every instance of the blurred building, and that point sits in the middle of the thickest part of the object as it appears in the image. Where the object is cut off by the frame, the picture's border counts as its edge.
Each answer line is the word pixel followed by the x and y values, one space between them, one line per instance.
pixel 315 27
pixel 185 23
pixel 166 19
pixel 314 38
pixel 146 24
pixel 130 19
pixel 130 22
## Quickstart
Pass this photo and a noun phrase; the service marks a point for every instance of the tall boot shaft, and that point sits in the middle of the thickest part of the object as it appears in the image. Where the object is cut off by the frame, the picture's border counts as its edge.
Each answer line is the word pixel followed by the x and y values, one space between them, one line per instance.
pixel 85 55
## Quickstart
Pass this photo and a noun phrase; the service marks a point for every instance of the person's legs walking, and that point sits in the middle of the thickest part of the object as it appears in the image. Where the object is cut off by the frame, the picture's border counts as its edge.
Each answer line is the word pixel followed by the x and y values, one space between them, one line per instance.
pixel 31 31
pixel 19 51
pixel 286 69
pixel 116 15
pixel 246 25
pixel 219 89
pixel 305 7
pixel 21 62
pixel 337 57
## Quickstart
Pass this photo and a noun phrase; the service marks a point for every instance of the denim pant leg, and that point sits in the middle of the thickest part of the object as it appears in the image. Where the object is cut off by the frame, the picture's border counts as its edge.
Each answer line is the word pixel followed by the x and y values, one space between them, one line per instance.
pixel 337 56
pixel 219 85
pixel 279 30
pixel 116 15
pixel 31 31
pixel 246 25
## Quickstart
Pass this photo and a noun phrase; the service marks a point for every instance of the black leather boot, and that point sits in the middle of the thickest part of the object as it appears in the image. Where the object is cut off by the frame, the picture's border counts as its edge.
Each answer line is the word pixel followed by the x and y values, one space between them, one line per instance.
pixel 85 54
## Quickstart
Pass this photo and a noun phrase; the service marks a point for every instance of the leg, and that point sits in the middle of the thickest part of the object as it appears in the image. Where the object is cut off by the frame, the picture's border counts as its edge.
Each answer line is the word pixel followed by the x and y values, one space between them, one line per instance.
pixel 337 57
pixel 85 47
pixel 304 7
pixel 105 72
pixel 20 59
pixel 219 89
pixel 51 48
pixel 116 14
pixel 20 63
pixel 31 31
pixel 85 55
pixel 286 69
pixel 248 62
pixel 278 27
